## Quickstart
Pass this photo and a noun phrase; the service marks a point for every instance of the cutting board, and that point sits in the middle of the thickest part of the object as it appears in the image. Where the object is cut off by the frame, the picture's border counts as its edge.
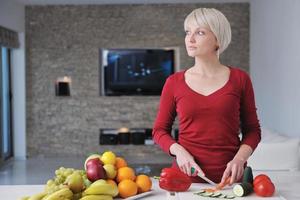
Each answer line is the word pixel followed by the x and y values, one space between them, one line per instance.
pixel 196 187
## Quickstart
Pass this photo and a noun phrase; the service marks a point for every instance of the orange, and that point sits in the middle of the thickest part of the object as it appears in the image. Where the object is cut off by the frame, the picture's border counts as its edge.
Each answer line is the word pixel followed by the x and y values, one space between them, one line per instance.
pixel 112 182
pixel 125 173
pixel 144 183
pixel 120 162
pixel 127 188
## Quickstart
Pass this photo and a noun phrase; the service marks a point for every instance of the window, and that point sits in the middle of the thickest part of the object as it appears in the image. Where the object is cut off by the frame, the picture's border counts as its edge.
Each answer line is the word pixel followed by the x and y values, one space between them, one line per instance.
pixel 5 107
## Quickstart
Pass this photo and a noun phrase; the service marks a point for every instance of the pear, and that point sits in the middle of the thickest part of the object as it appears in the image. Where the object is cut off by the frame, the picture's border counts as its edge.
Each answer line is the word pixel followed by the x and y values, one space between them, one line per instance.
pixel 75 182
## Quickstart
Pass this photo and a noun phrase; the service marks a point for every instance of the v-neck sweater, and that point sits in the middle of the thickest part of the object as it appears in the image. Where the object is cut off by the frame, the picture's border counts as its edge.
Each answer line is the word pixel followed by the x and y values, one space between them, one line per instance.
pixel 209 125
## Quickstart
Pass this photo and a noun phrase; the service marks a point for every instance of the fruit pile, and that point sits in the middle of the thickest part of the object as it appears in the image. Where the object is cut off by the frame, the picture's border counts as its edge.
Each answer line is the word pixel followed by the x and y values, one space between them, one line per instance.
pixel 104 177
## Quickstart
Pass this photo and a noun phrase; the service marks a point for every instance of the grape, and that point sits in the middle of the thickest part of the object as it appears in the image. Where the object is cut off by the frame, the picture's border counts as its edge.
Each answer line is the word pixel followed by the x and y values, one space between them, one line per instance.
pixel 59 180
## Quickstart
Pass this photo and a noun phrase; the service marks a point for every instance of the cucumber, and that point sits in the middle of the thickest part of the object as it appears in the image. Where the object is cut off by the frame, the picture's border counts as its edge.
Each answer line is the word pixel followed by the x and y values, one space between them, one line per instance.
pixel 248 175
pixel 242 189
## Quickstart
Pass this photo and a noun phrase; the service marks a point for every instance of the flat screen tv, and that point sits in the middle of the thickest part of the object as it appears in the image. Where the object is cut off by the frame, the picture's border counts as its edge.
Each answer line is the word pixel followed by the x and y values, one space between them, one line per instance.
pixel 135 71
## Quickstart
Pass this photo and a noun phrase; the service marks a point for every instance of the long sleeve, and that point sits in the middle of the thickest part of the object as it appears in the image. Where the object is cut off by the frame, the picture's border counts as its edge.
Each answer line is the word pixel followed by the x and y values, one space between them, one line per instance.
pixel 165 117
pixel 250 126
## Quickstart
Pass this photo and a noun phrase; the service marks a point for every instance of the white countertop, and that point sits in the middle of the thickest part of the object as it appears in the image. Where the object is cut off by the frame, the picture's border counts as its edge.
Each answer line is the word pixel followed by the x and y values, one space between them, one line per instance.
pixel 287 187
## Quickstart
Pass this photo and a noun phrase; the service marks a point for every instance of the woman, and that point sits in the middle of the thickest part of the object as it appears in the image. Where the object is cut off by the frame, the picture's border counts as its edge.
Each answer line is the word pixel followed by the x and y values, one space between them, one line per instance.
pixel 213 102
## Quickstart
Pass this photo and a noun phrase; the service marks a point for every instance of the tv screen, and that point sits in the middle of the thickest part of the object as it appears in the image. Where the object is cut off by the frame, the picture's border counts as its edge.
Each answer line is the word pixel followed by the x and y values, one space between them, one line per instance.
pixel 135 71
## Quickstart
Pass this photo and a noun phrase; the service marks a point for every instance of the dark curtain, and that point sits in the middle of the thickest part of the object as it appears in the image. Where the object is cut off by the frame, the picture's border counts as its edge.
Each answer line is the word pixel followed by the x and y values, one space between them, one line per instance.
pixel 8 38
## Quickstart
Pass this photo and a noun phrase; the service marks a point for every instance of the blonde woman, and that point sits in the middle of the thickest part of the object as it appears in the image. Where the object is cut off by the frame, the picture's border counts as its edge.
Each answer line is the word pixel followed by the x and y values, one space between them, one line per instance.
pixel 213 102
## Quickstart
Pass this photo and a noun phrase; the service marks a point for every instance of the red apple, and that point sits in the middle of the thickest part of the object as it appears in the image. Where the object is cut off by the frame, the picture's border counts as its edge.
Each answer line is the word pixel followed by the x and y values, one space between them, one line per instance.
pixel 95 170
pixel 92 157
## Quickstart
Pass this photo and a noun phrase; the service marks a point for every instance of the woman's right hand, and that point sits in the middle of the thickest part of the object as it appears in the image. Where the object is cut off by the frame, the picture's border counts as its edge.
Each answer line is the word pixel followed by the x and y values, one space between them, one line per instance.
pixel 185 160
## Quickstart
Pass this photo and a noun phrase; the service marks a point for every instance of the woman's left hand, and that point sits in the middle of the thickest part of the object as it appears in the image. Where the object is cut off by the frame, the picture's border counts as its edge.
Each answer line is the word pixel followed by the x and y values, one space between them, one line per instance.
pixel 235 169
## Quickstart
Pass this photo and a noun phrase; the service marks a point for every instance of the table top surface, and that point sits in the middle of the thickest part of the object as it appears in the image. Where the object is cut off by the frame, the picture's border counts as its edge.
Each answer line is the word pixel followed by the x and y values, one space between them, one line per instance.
pixel 287 187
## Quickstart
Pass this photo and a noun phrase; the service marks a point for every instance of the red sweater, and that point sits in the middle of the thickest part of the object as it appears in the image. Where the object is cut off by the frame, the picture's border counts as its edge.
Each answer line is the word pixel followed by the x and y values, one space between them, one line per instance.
pixel 209 126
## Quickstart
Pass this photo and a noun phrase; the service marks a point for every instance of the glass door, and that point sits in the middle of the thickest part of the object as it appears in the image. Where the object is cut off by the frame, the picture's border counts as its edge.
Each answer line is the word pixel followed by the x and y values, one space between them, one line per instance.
pixel 5 106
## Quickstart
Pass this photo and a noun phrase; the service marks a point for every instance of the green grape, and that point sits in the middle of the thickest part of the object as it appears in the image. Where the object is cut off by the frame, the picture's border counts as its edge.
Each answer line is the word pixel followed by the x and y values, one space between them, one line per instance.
pixel 51 189
pixel 86 182
pixel 59 180
pixel 82 172
pixel 57 172
pixel 66 173
pixel 62 169
pixel 50 182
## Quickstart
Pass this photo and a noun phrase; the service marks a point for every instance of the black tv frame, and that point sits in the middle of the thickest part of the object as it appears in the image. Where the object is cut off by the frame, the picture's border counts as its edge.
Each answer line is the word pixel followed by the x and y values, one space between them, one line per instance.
pixel 102 66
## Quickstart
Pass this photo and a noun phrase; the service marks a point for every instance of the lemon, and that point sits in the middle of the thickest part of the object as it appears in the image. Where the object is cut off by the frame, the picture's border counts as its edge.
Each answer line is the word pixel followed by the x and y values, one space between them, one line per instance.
pixel 108 157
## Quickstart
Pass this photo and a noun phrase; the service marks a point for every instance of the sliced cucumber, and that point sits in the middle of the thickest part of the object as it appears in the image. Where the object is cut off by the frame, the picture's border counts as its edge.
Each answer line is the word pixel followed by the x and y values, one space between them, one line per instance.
pixel 242 189
pixel 216 194
pixel 200 192
pixel 229 196
pixel 207 194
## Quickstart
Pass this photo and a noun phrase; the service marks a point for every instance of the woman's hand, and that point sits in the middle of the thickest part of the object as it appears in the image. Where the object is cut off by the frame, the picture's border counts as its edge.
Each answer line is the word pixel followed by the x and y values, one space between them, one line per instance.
pixel 235 169
pixel 185 160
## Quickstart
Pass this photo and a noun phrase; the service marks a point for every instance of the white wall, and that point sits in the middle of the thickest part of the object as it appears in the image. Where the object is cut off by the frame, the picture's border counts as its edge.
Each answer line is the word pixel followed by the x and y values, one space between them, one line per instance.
pixel 19 99
pixel 275 63
pixel 12 16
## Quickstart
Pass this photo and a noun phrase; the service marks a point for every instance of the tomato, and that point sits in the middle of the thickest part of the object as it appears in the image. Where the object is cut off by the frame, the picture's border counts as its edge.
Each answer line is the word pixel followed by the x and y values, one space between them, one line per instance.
pixel 259 178
pixel 264 188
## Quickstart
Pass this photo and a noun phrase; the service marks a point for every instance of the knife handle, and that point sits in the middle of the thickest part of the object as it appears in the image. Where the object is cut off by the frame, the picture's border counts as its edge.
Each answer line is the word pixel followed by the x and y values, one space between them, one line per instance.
pixel 193 170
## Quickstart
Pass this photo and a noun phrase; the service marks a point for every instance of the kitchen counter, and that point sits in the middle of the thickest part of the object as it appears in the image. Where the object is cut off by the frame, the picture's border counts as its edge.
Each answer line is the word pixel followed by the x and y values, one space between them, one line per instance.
pixel 287 187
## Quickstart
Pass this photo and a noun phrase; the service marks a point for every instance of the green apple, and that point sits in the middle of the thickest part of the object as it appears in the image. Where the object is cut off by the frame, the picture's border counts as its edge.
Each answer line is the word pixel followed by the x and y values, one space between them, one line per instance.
pixel 92 157
pixel 111 172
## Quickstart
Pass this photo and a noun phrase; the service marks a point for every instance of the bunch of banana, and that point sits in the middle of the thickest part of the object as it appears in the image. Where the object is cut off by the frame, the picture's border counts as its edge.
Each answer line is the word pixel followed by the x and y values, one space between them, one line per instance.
pixel 100 190
pixel 38 196
pixel 97 197
pixel 62 194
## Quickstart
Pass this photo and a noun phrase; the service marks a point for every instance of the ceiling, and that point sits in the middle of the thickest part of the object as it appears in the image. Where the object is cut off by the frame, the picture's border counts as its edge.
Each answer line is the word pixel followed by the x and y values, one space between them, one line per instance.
pixel 78 2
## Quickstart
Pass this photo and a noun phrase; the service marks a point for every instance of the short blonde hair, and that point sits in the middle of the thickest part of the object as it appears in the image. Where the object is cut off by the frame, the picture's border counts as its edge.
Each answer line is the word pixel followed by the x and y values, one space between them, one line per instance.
pixel 216 21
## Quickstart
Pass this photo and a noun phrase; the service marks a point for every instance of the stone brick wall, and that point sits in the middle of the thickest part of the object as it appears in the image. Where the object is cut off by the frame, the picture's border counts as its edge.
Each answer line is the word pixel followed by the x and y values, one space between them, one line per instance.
pixel 65 40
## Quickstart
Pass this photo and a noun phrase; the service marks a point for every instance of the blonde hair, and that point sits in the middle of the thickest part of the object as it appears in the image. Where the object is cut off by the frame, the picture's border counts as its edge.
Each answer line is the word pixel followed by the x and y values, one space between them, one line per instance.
pixel 216 22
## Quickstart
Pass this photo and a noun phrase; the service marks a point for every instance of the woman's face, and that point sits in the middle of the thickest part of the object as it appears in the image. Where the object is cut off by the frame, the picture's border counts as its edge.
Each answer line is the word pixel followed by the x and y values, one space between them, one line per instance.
pixel 200 41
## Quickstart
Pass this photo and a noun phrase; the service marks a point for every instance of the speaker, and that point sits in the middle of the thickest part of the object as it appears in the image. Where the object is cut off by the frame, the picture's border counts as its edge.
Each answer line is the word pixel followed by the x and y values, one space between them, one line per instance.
pixel 62 89
pixel 108 136
pixel 137 136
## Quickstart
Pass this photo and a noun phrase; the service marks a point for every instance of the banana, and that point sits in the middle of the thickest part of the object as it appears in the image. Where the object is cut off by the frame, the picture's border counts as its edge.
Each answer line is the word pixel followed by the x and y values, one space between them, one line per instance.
pixel 38 196
pixel 62 194
pixel 101 188
pixel 97 197
pixel 99 182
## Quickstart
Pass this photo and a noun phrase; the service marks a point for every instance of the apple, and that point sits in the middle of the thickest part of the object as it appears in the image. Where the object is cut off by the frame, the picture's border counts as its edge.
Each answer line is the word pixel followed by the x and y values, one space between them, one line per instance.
pixel 91 157
pixel 110 170
pixel 95 170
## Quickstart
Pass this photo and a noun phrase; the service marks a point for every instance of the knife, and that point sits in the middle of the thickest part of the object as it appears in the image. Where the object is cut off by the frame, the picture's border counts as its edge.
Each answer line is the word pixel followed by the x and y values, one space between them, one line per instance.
pixel 203 177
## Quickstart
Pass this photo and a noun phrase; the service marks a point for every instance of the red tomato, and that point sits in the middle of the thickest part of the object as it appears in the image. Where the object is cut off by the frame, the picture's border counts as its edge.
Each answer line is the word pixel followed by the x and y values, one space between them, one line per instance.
pixel 264 188
pixel 259 178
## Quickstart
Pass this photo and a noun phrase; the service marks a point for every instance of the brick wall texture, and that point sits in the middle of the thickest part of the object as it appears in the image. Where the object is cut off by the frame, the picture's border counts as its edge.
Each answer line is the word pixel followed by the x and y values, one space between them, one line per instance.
pixel 65 40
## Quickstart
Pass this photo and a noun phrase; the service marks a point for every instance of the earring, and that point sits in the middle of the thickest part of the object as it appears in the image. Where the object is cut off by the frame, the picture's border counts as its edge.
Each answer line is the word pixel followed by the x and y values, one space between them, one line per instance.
pixel 218 52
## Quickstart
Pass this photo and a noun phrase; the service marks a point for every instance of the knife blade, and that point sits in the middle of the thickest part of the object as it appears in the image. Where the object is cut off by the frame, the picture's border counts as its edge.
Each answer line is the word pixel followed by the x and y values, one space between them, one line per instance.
pixel 203 177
